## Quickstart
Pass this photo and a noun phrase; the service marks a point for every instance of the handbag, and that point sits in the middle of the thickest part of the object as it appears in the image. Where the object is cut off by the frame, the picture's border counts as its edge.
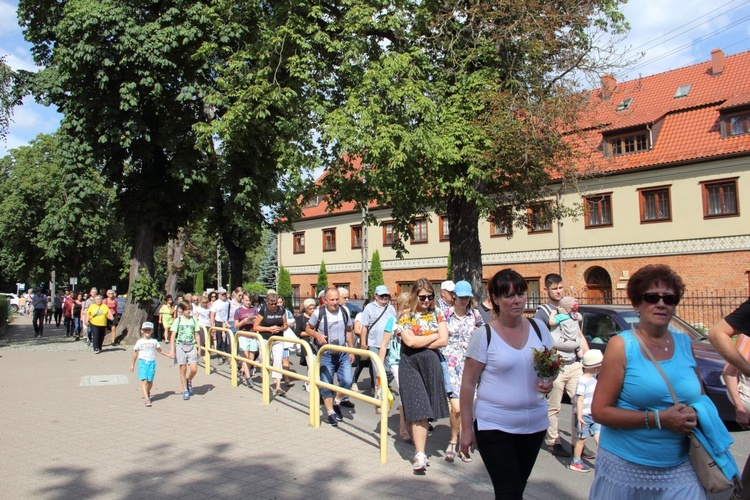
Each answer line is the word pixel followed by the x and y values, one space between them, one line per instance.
pixel 710 475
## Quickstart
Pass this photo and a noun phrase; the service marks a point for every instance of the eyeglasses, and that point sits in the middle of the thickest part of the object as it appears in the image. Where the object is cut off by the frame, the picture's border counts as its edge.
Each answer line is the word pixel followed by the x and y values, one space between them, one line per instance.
pixel 669 299
pixel 422 298
pixel 385 296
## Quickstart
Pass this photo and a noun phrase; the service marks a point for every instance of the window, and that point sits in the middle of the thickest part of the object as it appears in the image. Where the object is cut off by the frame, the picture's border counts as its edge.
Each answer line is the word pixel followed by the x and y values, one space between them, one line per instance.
pixel 329 240
pixel 502 224
pixel 655 204
pixel 624 104
pixel 598 210
pixel 299 242
pixel 445 231
pixel 419 231
pixel 356 236
pixel 538 219
pixel 736 124
pixel 720 198
pixel 312 202
pixel 533 297
pixel 627 144
pixel 345 286
pixel 295 296
pixel 682 91
pixel 389 234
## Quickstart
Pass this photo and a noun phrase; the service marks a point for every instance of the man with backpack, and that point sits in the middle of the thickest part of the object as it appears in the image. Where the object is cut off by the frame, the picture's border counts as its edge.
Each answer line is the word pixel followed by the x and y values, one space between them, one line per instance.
pixel 332 324
pixel 570 371
pixel 374 318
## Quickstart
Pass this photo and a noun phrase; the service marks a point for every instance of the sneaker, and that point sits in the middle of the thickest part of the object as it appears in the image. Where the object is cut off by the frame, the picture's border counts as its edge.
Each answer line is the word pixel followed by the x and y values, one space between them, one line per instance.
pixel 289 383
pixel 558 450
pixel 332 420
pixel 420 462
pixel 588 454
pixel 190 387
pixel 337 411
pixel 186 395
pixel 279 392
pixel 579 466
pixel 347 404
pixel 355 388
pixel 307 386
pixel 148 403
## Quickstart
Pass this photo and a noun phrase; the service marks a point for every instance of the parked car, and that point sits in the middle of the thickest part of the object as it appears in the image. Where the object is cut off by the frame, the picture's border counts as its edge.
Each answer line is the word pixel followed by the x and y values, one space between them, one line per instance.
pixel 13 299
pixel 601 322
pixel 355 306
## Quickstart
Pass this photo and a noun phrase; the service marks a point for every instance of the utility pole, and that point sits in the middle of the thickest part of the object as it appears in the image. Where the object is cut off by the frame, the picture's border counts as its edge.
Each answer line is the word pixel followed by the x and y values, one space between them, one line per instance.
pixel 365 253
pixel 218 267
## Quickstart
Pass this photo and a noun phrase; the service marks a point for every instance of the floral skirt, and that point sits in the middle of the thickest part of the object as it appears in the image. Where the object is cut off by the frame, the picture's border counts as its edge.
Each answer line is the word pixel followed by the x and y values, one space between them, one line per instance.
pixel 622 479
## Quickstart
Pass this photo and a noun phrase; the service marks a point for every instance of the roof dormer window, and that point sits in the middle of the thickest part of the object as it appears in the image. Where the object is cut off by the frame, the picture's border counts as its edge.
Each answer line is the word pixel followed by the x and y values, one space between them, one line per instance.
pixel 683 90
pixel 633 142
pixel 624 104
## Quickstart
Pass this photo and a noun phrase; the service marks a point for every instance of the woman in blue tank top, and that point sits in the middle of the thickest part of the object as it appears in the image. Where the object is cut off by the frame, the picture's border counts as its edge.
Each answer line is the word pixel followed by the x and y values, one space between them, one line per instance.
pixel 643 451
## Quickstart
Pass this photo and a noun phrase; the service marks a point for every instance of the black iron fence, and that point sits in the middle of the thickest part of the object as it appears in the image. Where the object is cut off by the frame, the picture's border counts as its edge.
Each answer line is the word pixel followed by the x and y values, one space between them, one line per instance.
pixel 701 309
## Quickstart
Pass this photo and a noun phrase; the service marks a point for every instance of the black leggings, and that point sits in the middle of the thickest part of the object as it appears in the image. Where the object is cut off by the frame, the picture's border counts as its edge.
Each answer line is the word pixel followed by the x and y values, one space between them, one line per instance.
pixel 98 332
pixel 509 459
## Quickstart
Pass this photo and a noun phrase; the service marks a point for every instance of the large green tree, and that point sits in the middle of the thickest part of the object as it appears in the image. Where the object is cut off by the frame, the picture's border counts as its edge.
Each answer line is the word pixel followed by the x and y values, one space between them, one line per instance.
pixel 460 108
pixel 127 77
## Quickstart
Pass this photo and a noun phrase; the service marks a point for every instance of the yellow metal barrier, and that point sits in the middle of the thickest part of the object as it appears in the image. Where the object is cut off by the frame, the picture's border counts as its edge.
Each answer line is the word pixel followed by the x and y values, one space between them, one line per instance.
pixel 381 403
pixel 313 377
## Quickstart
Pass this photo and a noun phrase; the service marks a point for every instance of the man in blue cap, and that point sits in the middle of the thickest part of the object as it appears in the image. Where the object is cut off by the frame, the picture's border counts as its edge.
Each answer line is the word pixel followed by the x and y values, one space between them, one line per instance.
pixel 374 318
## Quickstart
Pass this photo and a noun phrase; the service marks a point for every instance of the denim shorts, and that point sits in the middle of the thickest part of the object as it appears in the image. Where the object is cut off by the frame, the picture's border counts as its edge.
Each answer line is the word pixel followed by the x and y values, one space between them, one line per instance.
pixel 146 370
pixel 590 428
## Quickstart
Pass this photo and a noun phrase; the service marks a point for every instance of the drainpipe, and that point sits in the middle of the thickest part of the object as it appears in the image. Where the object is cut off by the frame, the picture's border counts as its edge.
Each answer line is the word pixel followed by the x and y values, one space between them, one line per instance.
pixel 559 235
pixel 650 137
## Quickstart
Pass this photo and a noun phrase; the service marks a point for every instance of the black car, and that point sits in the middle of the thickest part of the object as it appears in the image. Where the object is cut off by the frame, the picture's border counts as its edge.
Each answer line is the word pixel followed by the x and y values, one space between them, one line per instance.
pixel 601 322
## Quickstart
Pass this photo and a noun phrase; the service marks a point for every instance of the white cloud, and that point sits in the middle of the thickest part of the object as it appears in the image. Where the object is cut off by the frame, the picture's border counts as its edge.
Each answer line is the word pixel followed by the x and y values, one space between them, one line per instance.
pixel 8 20
pixel 19 58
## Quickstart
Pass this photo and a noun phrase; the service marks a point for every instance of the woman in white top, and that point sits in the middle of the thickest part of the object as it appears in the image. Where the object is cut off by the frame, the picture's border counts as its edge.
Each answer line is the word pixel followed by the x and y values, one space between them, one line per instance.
pixel 508 419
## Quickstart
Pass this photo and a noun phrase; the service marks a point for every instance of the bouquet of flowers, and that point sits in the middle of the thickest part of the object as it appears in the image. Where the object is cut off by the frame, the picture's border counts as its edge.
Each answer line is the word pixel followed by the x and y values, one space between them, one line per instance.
pixel 546 364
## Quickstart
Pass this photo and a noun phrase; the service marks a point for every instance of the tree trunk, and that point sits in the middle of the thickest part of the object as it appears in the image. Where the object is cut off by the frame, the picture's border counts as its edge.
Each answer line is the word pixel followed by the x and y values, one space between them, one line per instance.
pixel 236 261
pixel 175 250
pixel 465 248
pixel 129 327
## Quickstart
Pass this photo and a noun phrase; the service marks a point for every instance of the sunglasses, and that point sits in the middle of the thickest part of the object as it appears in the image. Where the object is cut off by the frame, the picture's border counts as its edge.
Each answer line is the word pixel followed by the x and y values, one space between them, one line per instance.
pixel 669 299
pixel 386 296
pixel 422 298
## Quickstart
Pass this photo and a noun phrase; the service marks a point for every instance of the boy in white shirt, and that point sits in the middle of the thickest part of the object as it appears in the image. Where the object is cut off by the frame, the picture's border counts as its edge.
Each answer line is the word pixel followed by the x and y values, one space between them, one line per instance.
pixel 145 352
pixel 585 425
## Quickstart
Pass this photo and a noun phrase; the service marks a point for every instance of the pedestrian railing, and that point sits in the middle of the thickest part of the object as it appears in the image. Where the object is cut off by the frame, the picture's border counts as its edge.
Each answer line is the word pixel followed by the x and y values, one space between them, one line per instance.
pixel 312 377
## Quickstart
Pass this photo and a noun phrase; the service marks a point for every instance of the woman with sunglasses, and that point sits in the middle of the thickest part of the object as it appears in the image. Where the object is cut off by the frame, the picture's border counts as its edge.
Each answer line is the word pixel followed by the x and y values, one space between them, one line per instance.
pixel 643 449
pixel 423 330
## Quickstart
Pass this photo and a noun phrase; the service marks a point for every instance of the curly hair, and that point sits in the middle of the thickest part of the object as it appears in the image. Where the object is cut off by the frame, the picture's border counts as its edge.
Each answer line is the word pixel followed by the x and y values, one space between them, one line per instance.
pixel 653 274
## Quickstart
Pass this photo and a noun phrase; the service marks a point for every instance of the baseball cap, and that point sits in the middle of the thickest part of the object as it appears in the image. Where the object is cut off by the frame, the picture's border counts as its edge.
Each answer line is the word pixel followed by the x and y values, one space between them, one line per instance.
pixel 463 289
pixel 147 326
pixel 592 358
pixel 222 291
pixel 381 290
pixel 447 285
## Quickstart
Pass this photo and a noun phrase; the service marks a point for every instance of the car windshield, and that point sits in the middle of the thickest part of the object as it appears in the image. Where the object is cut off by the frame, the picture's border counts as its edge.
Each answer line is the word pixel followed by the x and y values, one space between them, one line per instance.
pixel 676 325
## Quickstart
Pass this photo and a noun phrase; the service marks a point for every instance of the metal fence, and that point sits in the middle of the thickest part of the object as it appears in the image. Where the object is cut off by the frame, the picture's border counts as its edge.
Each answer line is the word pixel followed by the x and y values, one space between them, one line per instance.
pixel 702 309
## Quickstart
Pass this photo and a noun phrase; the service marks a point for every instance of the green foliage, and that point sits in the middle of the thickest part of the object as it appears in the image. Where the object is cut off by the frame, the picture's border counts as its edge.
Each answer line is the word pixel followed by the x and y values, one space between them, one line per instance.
pixel 7 98
pixel 449 269
pixel 255 287
pixel 143 288
pixel 376 274
pixel 4 313
pixel 268 265
pixel 199 287
pixel 284 287
pixel 322 278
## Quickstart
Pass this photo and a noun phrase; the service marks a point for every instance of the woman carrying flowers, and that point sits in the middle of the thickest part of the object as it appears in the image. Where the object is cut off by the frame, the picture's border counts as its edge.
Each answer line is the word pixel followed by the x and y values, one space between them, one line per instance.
pixel 508 420
pixel 420 377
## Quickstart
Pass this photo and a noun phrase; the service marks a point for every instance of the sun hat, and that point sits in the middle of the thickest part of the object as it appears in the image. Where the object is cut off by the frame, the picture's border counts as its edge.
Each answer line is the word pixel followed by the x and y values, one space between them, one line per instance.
pixel 147 326
pixel 381 290
pixel 447 285
pixel 592 358
pixel 463 289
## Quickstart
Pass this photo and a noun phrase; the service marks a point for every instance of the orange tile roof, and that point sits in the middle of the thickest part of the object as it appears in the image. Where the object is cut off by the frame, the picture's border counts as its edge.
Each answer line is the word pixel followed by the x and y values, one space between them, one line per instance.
pixel 690 128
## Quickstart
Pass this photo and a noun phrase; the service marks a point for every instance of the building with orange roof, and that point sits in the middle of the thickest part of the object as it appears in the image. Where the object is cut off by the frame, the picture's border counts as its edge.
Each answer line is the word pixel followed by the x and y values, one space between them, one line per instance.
pixel 670 154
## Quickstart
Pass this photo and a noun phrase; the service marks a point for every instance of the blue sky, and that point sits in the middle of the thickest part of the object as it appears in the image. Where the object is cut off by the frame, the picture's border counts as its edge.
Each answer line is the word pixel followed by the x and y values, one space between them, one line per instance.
pixel 669 33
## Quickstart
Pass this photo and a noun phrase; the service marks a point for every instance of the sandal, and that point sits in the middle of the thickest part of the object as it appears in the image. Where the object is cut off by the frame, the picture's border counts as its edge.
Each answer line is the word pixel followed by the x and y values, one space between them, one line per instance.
pixel 404 434
pixel 464 458
pixel 450 452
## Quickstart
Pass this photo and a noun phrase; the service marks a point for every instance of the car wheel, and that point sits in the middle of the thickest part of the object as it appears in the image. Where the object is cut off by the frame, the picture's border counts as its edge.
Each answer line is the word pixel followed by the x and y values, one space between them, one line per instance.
pixel 13 308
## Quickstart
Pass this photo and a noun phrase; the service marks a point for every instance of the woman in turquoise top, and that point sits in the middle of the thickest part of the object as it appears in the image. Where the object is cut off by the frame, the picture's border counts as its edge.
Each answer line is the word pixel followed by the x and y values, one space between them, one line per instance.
pixel 643 450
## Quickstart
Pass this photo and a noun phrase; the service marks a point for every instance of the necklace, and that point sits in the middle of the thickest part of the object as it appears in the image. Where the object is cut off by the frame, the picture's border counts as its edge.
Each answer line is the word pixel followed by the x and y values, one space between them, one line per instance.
pixel 507 337
pixel 664 347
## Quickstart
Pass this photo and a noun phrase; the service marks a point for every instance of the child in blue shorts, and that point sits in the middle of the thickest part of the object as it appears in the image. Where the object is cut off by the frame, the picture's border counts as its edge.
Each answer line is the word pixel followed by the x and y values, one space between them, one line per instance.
pixel 584 424
pixel 145 353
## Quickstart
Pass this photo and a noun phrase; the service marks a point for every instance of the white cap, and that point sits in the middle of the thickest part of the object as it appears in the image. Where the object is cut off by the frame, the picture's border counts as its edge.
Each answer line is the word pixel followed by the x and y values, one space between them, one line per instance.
pixel 592 358
pixel 448 285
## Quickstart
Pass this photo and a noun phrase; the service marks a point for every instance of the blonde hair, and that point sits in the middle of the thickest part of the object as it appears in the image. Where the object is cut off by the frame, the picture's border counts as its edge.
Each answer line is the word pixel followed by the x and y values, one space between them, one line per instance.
pixel 401 301
pixel 420 284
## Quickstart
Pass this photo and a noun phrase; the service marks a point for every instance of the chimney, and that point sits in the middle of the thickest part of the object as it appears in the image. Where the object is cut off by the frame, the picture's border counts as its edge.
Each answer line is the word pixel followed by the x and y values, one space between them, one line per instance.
pixel 608 85
pixel 717 62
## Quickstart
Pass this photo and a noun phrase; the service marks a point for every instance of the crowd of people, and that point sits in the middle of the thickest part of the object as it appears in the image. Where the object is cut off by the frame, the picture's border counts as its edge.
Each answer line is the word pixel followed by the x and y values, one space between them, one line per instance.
pixel 448 355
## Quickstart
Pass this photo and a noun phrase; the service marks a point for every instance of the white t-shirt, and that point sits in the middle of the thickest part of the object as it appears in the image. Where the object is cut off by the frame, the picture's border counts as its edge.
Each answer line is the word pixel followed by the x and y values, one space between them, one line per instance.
pixel 507 398
pixel 203 316
pixel 147 348
pixel 221 309
pixel 585 389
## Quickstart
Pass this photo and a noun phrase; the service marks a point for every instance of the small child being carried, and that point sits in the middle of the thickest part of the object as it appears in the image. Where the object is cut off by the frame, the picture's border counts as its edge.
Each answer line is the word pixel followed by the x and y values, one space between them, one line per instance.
pixel 145 353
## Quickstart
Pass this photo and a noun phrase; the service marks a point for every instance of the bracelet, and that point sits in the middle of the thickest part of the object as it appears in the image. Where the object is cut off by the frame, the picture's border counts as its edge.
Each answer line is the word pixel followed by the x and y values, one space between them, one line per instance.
pixel 658 423
pixel 645 419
